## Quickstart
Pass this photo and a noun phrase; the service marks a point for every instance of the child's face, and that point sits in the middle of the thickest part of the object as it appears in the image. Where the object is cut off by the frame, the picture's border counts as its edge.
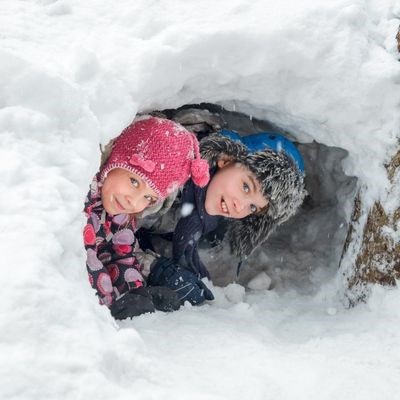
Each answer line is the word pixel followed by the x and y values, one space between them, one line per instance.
pixel 234 192
pixel 124 192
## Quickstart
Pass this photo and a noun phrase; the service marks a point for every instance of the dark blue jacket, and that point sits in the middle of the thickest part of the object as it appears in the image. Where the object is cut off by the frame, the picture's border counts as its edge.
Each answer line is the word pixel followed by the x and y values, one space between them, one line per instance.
pixel 192 227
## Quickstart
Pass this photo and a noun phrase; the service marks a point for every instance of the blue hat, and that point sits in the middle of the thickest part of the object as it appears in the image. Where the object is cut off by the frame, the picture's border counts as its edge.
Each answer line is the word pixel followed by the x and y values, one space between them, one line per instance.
pixel 260 141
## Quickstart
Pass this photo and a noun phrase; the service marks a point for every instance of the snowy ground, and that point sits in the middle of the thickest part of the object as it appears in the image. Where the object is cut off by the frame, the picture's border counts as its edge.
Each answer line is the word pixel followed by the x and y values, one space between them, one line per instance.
pixel 73 74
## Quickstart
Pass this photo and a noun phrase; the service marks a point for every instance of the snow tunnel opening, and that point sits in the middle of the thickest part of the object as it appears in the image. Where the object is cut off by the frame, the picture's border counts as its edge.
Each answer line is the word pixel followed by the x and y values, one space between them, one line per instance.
pixel 305 251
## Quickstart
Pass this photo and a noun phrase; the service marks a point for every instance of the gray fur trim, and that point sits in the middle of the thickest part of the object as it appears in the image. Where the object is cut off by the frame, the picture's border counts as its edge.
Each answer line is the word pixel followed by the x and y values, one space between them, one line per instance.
pixel 281 182
pixel 212 147
pixel 246 234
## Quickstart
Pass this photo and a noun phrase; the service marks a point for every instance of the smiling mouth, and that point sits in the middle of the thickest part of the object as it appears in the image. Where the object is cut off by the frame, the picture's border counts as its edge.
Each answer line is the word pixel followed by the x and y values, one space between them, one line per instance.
pixel 224 207
pixel 118 205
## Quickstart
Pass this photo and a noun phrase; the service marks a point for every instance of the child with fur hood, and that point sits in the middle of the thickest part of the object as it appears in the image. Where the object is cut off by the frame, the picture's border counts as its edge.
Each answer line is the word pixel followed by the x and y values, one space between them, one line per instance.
pixel 150 160
pixel 257 183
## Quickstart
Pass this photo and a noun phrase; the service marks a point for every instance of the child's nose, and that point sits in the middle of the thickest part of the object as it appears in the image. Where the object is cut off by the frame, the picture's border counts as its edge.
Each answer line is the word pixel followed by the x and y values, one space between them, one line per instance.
pixel 133 202
pixel 239 205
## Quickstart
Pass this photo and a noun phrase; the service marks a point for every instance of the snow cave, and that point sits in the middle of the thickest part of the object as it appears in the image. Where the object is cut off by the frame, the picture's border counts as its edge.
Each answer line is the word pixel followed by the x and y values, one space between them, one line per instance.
pixel 307 249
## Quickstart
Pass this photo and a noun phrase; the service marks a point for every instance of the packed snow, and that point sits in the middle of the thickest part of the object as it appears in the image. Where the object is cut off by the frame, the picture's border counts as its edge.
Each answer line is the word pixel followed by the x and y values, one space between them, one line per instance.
pixel 73 74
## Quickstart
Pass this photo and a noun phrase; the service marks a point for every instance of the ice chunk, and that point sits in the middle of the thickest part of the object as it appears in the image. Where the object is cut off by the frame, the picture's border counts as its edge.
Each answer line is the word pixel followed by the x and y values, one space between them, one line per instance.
pixel 260 282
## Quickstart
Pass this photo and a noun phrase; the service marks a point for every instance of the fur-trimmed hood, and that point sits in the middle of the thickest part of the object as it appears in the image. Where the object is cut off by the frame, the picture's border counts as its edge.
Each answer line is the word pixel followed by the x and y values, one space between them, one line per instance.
pixel 281 180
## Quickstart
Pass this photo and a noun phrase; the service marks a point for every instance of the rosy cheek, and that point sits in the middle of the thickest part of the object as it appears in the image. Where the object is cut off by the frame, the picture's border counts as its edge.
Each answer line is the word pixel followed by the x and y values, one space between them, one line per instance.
pixel 143 204
pixel 245 212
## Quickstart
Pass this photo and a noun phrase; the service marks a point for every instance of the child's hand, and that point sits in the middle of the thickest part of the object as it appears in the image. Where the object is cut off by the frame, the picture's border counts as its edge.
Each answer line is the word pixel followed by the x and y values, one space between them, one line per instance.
pixel 164 298
pixel 143 300
pixel 186 284
pixel 133 303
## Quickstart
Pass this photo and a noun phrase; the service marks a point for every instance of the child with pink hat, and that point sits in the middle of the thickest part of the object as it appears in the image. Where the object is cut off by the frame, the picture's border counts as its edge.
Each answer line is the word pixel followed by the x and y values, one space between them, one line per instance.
pixel 150 160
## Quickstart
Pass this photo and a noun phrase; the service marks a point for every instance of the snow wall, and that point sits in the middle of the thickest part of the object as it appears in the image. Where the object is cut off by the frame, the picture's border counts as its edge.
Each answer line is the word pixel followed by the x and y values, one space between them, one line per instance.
pixel 74 74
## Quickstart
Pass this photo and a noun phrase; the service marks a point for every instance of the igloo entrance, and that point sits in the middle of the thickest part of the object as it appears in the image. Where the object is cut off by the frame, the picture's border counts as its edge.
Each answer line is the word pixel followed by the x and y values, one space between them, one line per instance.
pixel 305 251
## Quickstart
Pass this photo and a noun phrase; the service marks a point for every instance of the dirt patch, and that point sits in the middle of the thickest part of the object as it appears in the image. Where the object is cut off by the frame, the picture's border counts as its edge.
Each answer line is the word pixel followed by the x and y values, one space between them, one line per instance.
pixel 393 166
pixel 378 260
pixel 398 40
pixel 355 216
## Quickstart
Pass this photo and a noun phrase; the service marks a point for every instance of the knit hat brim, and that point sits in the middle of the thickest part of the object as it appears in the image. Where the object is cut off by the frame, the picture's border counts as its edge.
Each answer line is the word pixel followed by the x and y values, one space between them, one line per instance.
pixel 136 171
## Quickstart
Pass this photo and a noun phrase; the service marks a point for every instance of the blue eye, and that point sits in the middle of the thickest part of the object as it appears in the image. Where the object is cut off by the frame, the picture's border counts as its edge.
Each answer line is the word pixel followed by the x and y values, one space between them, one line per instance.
pixel 134 182
pixel 253 208
pixel 246 188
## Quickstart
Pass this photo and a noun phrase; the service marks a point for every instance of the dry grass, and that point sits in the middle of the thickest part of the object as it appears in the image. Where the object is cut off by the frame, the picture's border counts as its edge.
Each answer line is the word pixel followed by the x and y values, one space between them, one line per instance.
pixel 398 40
pixel 378 260
pixel 393 166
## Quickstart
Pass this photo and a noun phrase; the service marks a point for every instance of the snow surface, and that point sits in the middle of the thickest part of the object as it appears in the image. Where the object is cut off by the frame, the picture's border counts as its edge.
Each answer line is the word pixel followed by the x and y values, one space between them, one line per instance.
pixel 73 74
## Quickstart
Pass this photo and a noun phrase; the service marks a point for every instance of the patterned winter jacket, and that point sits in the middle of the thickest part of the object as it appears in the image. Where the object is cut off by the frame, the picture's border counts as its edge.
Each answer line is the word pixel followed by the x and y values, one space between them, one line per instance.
pixel 110 246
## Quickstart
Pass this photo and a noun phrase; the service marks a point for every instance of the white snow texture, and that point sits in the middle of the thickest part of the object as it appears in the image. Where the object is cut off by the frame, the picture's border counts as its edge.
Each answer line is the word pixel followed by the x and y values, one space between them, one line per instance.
pixel 74 74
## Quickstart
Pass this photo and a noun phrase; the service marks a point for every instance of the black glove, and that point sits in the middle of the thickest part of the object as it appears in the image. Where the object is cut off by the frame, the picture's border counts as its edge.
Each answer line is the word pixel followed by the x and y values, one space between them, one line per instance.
pixel 185 283
pixel 133 303
pixel 164 299
pixel 143 300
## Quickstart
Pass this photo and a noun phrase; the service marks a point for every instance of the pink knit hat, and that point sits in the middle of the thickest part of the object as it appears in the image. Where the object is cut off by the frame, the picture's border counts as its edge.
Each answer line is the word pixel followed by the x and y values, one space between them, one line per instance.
pixel 161 152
